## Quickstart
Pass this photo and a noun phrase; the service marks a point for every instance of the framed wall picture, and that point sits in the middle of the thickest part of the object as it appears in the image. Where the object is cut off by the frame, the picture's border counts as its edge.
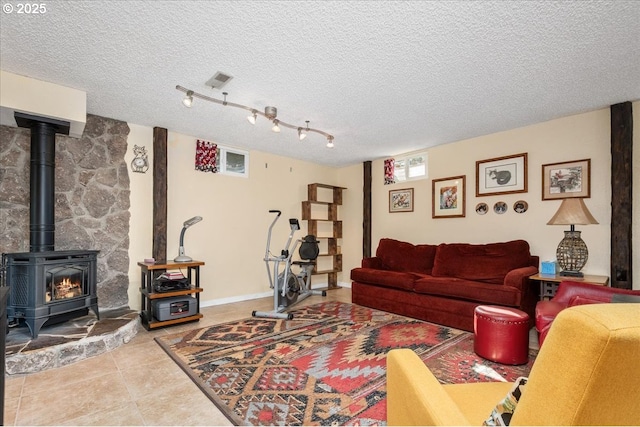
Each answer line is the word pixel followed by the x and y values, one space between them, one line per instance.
pixel 566 180
pixel 448 197
pixel 501 175
pixel 401 200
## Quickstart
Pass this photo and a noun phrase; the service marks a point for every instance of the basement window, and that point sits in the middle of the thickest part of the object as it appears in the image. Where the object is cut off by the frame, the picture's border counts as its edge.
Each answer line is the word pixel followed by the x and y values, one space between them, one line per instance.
pixel 232 162
pixel 413 166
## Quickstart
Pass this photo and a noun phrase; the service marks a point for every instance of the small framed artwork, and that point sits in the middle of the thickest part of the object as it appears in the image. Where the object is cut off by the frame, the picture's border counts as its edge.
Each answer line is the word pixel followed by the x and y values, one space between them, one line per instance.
pixel 401 200
pixel 448 197
pixel 501 175
pixel 566 180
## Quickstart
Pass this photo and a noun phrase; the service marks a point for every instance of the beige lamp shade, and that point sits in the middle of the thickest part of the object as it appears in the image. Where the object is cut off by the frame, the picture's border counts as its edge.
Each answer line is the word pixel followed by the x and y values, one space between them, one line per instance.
pixel 572 211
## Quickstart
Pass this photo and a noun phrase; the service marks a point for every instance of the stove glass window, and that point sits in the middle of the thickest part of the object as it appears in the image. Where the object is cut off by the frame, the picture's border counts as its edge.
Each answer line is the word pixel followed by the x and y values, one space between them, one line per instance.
pixel 64 282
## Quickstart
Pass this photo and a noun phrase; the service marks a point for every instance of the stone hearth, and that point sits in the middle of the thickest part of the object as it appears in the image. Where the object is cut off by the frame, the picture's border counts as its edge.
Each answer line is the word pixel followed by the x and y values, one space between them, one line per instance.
pixel 65 343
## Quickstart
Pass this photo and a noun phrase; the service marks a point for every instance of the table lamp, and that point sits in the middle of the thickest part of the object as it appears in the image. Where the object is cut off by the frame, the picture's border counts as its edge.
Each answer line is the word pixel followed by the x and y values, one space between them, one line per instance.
pixel 572 253
pixel 188 223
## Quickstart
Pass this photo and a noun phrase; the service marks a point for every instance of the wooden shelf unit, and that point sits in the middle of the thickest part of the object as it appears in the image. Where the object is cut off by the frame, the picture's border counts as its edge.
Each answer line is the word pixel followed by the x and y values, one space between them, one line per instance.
pixel 333 249
pixel 149 272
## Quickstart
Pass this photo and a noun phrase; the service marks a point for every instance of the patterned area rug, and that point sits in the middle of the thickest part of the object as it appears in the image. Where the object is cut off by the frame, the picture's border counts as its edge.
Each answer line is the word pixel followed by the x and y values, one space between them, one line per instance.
pixel 326 366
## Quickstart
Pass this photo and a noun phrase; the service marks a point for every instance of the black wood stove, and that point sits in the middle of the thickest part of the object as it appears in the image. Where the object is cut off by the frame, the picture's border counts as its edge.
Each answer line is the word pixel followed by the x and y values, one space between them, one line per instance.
pixel 47 286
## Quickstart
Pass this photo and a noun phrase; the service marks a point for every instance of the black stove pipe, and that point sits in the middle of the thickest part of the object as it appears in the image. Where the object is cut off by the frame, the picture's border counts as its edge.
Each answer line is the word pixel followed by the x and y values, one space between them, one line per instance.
pixel 42 178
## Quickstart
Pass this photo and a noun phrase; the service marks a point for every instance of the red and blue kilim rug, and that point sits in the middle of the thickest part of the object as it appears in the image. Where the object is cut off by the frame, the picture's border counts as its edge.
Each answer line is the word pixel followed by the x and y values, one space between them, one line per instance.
pixel 326 366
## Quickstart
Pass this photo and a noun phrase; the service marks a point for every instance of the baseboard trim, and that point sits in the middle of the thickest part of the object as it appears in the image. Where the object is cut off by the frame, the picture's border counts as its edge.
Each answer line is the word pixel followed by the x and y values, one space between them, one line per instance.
pixel 240 298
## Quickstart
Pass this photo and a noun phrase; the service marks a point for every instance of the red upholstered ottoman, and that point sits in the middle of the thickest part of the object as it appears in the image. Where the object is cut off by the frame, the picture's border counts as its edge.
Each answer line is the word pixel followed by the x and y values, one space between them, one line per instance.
pixel 501 334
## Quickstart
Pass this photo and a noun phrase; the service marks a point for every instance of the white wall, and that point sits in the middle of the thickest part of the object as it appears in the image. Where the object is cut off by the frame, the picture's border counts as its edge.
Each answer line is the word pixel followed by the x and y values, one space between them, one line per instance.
pixel 40 98
pixel 141 220
pixel 571 138
pixel 352 221
pixel 231 237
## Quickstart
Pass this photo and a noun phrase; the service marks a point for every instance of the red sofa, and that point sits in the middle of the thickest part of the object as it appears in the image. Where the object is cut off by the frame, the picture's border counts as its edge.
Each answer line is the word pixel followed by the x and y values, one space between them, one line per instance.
pixel 444 283
pixel 572 293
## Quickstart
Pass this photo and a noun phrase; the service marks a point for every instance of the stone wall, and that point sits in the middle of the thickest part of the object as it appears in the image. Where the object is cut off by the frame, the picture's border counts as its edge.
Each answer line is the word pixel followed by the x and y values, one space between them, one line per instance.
pixel 92 199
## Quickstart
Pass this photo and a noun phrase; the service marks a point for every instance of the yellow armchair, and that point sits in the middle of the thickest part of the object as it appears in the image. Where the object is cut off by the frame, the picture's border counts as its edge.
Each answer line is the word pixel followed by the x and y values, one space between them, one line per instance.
pixel 587 373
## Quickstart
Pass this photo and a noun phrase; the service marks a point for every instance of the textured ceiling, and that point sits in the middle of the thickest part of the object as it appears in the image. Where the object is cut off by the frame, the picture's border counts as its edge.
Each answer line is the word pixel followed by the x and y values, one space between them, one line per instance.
pixel 384 77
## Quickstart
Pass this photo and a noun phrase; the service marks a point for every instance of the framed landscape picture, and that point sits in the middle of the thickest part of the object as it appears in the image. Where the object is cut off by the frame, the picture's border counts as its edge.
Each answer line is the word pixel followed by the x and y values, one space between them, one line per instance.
pixel 448 197
pixel 501 175
pixel 566 180
pixel 401 200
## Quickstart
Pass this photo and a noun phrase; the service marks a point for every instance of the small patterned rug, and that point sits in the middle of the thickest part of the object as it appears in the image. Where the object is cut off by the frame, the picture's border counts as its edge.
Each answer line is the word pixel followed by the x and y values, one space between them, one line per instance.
pixel 326 366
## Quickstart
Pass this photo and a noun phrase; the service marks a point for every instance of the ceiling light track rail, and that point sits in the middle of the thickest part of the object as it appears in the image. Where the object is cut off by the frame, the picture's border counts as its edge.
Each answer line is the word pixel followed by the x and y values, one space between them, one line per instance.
pixel 270 113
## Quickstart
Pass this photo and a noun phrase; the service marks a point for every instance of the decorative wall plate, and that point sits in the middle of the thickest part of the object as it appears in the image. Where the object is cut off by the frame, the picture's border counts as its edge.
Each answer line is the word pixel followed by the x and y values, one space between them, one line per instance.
pixel 500 207
pixel 482 208
pixel 520 206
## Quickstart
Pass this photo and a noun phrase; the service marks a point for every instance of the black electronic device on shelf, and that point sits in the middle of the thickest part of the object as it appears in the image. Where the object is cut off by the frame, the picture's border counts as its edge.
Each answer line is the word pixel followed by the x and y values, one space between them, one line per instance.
pixel 168 285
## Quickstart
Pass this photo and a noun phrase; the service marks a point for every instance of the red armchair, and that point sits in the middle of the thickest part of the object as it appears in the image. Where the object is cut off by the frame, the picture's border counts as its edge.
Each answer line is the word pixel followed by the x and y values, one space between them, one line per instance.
pixel 569 294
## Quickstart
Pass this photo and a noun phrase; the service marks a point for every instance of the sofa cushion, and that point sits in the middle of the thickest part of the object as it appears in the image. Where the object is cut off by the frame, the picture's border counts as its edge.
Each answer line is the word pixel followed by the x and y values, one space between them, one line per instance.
pixel 386 278
pixel 404 256
pixel 453 287
pixel 487 263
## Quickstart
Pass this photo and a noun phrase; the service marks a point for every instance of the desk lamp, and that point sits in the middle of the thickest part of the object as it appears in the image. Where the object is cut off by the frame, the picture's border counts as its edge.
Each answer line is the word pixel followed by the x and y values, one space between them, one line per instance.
pixel 572 253
pixel 188 223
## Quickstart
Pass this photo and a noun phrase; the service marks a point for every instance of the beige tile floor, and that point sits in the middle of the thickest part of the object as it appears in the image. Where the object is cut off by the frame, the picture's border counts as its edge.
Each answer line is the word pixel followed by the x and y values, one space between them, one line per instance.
pixel 135 384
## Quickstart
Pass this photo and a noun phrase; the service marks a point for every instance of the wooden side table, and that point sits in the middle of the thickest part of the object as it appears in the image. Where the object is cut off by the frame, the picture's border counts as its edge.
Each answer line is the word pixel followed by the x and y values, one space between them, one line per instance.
pixel 149 273
pixel 549 282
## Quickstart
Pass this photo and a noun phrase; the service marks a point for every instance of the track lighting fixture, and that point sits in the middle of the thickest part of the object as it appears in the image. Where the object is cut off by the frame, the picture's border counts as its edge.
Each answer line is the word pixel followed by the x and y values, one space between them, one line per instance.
pixel 302 133
pixel 252 118
pixel 270 113
pixel 188 99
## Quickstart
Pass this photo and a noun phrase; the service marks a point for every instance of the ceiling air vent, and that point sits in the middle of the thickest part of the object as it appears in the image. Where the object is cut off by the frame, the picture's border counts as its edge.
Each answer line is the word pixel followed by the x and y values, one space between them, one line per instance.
pixel 218 80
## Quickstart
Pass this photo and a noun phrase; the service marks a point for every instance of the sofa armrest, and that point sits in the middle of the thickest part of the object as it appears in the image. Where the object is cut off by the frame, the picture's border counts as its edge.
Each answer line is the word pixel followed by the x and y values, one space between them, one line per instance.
pixel 372 262
pixel 569 290
pixel 546 311
pixel 519 278
pixel 414 396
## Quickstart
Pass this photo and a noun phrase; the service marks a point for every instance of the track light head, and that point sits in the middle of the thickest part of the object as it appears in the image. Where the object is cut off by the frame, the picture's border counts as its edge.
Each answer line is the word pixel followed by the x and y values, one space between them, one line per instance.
pixel 330 142
pixel 188 99
pixel 275 127
pixel 302 133
pixel 252 117
pixel 271 112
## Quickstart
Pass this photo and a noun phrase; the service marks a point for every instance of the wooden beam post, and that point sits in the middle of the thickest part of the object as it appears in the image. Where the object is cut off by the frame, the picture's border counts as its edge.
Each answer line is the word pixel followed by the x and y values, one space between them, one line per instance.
pixel 621 194
pixel 366 210
pixel 160 195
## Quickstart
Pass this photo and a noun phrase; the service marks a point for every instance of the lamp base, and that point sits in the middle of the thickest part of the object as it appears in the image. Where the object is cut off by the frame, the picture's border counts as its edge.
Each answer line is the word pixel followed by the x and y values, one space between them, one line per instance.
pixel 183 258
pixel 572 254
pixel 569 273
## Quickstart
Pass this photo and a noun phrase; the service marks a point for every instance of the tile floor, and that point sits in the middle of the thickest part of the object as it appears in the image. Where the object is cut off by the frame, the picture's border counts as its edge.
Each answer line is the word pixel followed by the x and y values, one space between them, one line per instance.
pixel 135 384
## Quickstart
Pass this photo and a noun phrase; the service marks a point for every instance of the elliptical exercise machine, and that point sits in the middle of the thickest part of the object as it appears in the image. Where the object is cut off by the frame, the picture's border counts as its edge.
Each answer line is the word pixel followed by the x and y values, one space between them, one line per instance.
pixel 289 288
